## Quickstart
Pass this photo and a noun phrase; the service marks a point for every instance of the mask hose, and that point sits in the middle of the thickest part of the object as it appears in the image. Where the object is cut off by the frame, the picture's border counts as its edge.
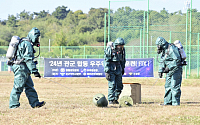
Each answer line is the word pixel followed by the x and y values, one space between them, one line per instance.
pixel 153 84
pixel 159 61
pixel 38 54
pixel 59 84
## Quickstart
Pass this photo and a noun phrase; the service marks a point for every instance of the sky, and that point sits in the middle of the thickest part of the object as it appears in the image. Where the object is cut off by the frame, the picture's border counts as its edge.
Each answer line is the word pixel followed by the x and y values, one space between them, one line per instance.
pixel 12 7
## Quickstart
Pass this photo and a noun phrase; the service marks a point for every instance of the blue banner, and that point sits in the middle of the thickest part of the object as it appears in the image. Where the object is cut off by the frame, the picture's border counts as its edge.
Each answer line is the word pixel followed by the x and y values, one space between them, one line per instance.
pixel 4 66
pixel 55 67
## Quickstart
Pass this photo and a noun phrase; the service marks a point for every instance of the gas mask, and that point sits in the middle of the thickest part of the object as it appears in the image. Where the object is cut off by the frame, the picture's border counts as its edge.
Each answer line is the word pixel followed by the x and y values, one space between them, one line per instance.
pixel 119 49
pixel 159 49
pixel 37 42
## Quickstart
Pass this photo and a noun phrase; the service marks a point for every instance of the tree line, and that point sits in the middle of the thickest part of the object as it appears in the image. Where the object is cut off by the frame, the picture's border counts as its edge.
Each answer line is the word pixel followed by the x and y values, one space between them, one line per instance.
pixel 67 28
pixel 63 27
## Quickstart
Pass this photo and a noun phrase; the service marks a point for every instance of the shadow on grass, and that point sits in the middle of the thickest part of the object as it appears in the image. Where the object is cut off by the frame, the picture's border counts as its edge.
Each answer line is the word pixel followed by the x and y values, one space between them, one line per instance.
pixel 190 102
pixel 182 103
pixel 150 102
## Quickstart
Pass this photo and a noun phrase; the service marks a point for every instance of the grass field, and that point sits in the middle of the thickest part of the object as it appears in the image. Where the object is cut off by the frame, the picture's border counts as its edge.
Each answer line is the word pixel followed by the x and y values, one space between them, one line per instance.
pixel 73 104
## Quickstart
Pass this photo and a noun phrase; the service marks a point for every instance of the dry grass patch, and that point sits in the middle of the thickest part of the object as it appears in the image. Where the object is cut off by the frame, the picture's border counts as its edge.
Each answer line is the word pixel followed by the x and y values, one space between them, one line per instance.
pixel 73 105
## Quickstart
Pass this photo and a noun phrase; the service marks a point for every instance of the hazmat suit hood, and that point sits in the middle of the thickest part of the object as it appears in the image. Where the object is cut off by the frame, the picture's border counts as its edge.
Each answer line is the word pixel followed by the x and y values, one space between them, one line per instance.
pixel 162 44
pixel 119 41
pixel 33 35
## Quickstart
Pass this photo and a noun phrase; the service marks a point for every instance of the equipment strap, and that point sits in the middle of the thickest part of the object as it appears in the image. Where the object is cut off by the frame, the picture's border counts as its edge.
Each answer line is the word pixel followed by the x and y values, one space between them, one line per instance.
pixel 21 40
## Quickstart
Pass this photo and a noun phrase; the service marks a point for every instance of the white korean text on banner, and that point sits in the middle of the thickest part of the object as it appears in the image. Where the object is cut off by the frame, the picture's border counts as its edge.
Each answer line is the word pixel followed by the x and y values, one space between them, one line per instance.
pixel 56 67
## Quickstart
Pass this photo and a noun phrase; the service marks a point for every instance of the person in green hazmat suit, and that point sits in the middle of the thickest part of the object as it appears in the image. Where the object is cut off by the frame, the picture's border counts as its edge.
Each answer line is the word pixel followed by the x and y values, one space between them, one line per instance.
pixel 114 65
pixel 170 63
pixel 24 67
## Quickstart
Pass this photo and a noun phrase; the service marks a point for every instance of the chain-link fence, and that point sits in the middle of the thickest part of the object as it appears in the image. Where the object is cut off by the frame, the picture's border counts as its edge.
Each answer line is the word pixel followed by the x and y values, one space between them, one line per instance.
pixel 140 29
pixel 57 52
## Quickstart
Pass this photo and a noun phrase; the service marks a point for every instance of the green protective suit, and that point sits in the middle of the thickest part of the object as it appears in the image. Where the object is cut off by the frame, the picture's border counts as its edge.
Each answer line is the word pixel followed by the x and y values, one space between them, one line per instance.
pixel 114 64
pixel 171 59
pixel 22 72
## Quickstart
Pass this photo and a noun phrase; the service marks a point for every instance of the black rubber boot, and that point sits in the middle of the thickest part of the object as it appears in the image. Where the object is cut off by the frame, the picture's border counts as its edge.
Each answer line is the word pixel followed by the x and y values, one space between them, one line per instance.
pixel 116 102
pixel 40 104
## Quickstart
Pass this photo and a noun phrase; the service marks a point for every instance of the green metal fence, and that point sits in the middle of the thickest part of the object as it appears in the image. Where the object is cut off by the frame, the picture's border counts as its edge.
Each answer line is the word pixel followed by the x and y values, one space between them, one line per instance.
pixel 97 52
pixel 140 29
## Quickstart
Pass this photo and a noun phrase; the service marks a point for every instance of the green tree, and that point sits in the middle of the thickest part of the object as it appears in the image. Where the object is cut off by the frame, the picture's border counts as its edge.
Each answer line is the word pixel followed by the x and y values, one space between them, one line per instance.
pixel 164 13
pixel 73 18
pixel 24 15
pixel 60 39
pixel 61 12
pixel 126 16
pixel 3 22
pixel 72 43
pixel 11 21
pixel 78 28
pixel 84 28
pixel 41 14
pixel 5 35
pixel 138 17
pixel 80 15
pixel 96 17
pixel 155 17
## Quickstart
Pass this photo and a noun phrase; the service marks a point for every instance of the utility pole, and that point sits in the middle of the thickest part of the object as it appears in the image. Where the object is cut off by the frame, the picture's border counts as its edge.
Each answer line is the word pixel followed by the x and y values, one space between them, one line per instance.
pixel 49 44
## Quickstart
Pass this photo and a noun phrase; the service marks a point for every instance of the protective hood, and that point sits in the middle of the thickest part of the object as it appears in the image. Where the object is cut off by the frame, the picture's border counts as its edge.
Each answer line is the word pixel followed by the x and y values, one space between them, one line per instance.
pixel 33 35
pixel 119 41
pixel 162 43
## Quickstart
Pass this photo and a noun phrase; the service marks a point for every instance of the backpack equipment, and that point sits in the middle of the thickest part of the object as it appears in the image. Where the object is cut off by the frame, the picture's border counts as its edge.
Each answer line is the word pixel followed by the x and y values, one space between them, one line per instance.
pixel 181 51
pixel 178 44
pixel 109 51
pixel 110 44
pixel 12 50
pixel 12 47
